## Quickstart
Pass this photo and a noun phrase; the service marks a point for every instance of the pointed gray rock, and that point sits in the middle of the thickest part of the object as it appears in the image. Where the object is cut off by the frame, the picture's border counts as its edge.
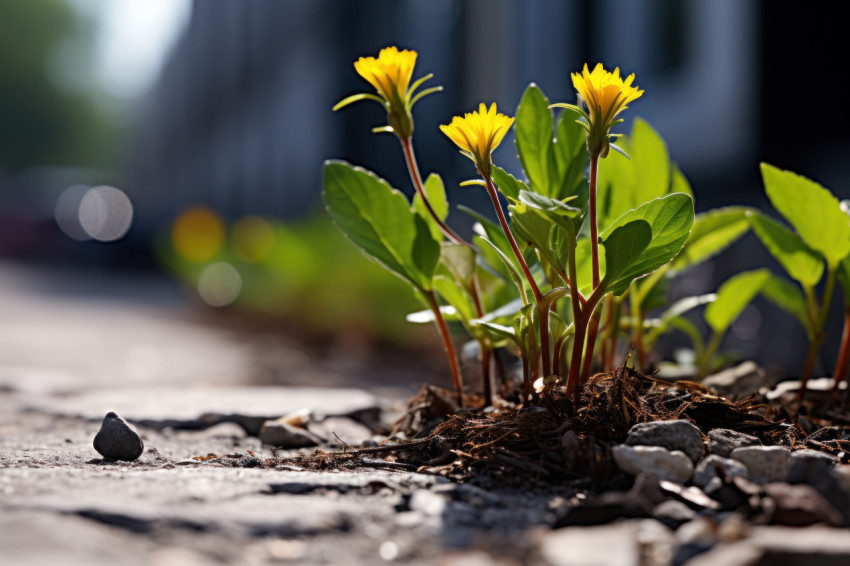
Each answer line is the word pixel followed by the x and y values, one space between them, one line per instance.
pixel 118 440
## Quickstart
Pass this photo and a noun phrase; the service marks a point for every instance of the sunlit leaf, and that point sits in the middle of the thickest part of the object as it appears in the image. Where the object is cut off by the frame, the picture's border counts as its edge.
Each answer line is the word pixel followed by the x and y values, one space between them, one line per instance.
pixel 436 193
pixel 733 297
pixel 534 131
pixel 624 246
pixel 623 183
pixel 460 262
pixel 789 298
pixel 455 296
pixel 812 210
pixel 379 220
pixel 712 233
pixel 507 184
pixel 801 263
pixel 670 219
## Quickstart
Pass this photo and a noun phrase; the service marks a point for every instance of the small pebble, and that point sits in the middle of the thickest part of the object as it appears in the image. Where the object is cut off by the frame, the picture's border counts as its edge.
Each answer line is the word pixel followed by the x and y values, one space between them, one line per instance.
pixel 764 463
pixel 118 440
pixel 706 470
pixel 654 460
pixel 672 435
pixel 724 440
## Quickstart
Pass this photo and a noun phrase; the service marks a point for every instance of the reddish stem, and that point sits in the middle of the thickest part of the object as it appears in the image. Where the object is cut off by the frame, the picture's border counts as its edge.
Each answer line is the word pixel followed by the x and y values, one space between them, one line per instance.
pixel 457 378
pixel 594 228
pixel 594 256
pixel 538 296
pixel 413 169
pixel 807 370
pixel 416 178
pixel 844 353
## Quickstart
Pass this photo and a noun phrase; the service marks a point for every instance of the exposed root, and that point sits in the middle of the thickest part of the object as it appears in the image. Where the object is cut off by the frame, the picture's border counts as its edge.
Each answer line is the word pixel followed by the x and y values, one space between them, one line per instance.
pixel 552 442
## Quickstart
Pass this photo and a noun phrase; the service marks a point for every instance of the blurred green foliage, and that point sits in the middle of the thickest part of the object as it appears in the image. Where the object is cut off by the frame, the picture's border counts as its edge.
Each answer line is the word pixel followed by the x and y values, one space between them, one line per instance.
pixel 307 274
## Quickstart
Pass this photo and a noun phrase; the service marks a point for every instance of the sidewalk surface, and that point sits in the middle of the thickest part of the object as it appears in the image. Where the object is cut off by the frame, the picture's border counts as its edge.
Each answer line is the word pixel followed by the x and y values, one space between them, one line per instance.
pixel 75 346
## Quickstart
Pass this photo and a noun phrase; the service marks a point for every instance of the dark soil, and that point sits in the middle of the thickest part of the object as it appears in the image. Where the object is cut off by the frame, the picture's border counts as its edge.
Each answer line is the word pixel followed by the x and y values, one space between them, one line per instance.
pixel 525 446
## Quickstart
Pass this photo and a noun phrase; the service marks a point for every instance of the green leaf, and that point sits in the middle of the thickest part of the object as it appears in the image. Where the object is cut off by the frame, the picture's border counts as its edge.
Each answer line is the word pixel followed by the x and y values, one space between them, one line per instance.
pixel 533 225
pixel 459 260
pixel 436 193
pixel 426 316
pixel 713 232
pixel 653 291
pixel 497 236
pixel 670 219
pixel 529 226
pixel 534 132
pixel 554 210
pixel 680 183
pixel 801 263
pixel 507 184
pixel 526 327
pixel 789 298
pixel 623 248
pixel 499 333
pixel 812 210
pixel 651 161
pixel 510 264
pixel 675 311
pixel 378 219
pixel 455 296
pixel 733 296
pixel 571 159
pixel 623 183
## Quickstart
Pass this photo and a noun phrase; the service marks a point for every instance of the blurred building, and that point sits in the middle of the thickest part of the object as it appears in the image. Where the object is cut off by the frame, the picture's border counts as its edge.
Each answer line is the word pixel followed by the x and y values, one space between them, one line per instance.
pixel 240 118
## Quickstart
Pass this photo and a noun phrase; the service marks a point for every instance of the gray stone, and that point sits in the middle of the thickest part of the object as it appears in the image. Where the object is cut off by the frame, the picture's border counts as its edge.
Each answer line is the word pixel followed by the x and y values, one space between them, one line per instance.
pixel 812 546
pixel 707 469
pixel 672 435
pixel 283 435
pixel 673 513
pixel 842 475
pixel 654 460
pixel 570 448
pixel 336 429
pixel 118 440
pixel 816 389
pixel 802 455
pixel 723 440
pixel 799 506
pixel 737 381
pixel 172 406
pixel 764 463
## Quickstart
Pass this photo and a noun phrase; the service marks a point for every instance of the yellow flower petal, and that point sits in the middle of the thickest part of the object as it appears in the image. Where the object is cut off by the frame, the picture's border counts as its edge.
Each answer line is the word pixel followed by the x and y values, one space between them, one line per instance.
pixel 606 94
pixel 390 73
pixel 479 133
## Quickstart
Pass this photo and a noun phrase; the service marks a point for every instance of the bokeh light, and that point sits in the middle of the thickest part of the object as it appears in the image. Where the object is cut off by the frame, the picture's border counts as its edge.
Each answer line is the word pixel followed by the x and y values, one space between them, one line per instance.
pixel 198 234
pixel 106 213
pixel 253 239
pixel 219 284
pixel 67 212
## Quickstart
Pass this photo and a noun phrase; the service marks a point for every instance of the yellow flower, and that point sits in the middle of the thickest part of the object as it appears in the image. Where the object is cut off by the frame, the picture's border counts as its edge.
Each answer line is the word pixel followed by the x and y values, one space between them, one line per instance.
pixel 478 134
pixel 606 94
pixel 390 73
